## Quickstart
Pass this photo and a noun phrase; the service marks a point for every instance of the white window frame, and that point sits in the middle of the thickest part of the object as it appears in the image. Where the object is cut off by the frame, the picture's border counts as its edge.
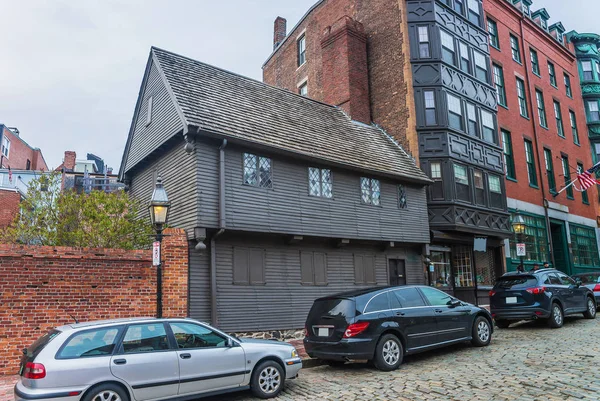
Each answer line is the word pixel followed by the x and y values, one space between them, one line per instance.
pixel 5 146
pixel 325 188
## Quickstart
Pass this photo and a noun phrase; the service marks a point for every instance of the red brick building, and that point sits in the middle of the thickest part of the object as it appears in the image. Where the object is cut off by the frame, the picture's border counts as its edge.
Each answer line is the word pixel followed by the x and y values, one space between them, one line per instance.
pixel 542 123
pixel 18 154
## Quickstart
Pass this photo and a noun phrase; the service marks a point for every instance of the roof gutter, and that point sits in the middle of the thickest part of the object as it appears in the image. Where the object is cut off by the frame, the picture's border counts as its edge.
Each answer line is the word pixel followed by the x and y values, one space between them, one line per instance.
pixel 213 250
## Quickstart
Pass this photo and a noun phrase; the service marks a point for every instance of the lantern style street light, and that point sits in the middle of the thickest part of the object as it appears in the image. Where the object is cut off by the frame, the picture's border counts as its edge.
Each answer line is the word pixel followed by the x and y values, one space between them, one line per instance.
pixel 518 225
pixel 159 213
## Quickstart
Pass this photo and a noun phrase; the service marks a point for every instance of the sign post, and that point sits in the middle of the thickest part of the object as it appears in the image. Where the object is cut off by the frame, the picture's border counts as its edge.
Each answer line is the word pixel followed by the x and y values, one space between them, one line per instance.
pixel 156 253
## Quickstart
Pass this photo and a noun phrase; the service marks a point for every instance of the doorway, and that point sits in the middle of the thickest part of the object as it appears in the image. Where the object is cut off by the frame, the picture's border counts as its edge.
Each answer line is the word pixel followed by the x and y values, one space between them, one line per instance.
pixel 397 271
pixel 558 232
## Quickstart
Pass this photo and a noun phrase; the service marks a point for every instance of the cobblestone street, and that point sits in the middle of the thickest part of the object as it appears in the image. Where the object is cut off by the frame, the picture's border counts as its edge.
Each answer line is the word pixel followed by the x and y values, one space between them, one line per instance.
pixel 526 362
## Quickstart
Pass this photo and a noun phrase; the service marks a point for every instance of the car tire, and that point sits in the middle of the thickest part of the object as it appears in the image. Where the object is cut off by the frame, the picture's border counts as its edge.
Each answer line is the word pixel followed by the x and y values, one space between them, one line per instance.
pixel 388 353
pixel 106 391
pixel 503 324
pixel 590 312
pixel 335 364
pixel 481 332
pixel 557 317
pixel 267 380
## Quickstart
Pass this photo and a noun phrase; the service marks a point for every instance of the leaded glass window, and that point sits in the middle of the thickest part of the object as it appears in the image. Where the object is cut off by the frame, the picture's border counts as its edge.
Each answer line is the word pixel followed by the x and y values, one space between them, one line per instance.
pixel 257 171
pixel 370 191
pixel 319 182
pixel 583 242
pixel 535 240
pixel 402 197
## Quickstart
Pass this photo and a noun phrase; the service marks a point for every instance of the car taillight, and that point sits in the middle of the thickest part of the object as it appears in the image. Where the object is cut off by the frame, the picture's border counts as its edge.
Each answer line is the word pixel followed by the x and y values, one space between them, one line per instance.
pixel 305 331
pixel 536 290
pixel 34 371
pixel 597 288
pixel 492 293
pixel 355 329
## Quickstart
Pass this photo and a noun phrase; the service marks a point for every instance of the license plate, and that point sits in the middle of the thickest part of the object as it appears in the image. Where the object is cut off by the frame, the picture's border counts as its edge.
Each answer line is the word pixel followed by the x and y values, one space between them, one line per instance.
pixel 511 300
pixel 323 332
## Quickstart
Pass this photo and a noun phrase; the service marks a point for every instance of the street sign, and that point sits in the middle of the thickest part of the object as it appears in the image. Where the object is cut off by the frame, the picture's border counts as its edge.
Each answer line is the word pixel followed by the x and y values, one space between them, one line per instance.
pixel 521 250
pixel 155 253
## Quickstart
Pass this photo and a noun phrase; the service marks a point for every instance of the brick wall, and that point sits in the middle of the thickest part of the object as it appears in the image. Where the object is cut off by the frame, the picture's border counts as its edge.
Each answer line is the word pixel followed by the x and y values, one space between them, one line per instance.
pixel 20 152
pixel 41 286
pixel 391 101
pixel 9 206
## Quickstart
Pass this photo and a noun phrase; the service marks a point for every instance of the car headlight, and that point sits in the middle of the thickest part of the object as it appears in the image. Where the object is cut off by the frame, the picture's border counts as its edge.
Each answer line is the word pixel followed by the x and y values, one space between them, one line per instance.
pixel 294 354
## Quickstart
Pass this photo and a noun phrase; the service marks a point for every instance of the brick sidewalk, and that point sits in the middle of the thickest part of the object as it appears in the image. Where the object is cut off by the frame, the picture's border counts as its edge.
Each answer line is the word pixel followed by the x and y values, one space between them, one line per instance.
pixel 6 387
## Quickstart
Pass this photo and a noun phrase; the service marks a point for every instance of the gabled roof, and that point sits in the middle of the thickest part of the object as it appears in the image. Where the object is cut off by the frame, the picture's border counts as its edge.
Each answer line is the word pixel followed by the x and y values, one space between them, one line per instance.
pixel 542 13
pixel 241 109
pixel 558 26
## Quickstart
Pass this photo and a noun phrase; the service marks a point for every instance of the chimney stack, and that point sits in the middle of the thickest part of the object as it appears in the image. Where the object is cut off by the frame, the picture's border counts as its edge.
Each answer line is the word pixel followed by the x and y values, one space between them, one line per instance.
pixel 69 161
pixel 279 32
pixel 345 70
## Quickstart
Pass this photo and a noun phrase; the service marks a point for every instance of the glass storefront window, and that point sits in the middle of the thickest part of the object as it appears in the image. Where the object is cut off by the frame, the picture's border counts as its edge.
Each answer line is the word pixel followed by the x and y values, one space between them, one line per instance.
pixel 485 268
pixel 440 276
pixel 583 243
pixel 463 266
pixel 535 239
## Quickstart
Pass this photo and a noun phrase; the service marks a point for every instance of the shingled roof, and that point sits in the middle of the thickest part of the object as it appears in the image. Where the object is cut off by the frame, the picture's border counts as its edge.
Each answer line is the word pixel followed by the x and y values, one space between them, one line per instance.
pixel 243 109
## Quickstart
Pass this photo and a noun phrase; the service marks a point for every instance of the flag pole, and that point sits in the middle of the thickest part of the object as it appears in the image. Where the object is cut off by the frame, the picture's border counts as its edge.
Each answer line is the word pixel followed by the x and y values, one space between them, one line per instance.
pixel 567 186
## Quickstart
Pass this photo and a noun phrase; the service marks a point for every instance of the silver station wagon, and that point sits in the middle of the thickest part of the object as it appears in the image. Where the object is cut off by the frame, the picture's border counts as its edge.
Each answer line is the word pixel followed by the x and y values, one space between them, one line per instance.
pixel 150 359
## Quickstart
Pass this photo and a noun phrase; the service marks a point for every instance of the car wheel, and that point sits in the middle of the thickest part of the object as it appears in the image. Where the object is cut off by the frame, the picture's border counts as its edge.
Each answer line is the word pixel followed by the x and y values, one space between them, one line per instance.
pixel 388 353
pixel 335 364
pixel 106 392
pixel 590 312
pixel 481 332
pixel 267 380
pixel 503 324
pixel 557 317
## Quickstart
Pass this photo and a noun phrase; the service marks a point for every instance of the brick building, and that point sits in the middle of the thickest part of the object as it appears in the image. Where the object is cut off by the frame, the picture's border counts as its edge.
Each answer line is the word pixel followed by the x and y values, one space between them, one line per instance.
pixel 420 70
pixel 543 129
pixel 17 154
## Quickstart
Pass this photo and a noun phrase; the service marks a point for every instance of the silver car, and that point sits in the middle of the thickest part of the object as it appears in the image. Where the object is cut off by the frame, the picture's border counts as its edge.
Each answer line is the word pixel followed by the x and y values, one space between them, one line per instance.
pixel 150 359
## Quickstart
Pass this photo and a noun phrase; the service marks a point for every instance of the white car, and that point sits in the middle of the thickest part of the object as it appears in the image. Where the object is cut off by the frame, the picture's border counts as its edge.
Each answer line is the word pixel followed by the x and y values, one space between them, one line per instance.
pixel 150 359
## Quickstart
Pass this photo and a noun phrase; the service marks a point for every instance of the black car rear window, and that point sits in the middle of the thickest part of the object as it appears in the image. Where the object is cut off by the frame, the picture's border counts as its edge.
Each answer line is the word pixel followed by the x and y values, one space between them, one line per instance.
pixel 34 349
pixel 334 307
pixel 516 282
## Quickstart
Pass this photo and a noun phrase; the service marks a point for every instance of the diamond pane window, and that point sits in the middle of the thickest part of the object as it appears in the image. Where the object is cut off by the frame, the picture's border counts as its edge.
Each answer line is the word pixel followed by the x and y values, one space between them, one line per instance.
pixel 370 191
pixel 319 182
pixel 401 197
pixel 257 171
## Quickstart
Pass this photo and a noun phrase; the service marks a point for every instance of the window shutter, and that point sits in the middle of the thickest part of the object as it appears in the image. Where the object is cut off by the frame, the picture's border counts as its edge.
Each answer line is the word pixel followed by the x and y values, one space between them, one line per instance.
pixel 359 272
pixel 320 268
pixel 257 266
pixel 369 266
pixel 306 268
pixel 240 266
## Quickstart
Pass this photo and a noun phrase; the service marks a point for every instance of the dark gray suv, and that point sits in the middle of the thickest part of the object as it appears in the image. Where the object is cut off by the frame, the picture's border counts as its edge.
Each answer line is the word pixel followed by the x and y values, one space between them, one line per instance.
pixel 543 294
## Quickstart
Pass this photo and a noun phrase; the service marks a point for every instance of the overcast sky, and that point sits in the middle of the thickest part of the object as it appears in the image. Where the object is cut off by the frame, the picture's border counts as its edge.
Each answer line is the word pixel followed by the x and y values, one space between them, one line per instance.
pixel 70 71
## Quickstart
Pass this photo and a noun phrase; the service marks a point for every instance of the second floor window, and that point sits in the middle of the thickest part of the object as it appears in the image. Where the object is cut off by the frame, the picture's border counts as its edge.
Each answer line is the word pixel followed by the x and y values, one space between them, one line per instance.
pixel 567 175
pixel 499 81
pixel 5 146
pixel 568 86
pixel 550 170
pixel 257 171
pixel 455 118
pixel 495 191
pixel 493 31
pixel 509 158
pixel 552 74
pixel 489 129
pixel 558 116
pixel 370 189
pixel 461 178
pixel 586 67
pixel 529 158
pixel 574 127
pixel 319 182
pixel 302 50
pixel 593 113
pixel 424 49
pixel 430 118
pixel 535 65
pixel 480 66
pixel 514 48
pixel 437 188
pixel 522 98
pixel 539 97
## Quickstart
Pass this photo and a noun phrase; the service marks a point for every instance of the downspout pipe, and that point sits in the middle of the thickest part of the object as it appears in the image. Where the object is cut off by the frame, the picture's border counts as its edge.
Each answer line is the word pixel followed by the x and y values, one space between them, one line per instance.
pixel 213 255
pixel 537 149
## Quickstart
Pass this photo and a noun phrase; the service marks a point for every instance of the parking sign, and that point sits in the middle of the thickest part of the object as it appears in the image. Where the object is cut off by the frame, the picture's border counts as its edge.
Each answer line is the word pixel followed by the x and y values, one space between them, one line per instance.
pixel 155 253
pixel 521 250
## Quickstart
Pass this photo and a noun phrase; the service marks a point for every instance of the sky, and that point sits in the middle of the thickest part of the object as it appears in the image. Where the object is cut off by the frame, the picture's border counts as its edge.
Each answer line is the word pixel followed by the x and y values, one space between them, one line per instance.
pixel 70 71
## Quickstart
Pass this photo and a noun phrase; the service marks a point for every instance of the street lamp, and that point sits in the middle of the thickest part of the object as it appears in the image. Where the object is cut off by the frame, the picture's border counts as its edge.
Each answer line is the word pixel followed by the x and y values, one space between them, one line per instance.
pixel 518 224
pixel 159 213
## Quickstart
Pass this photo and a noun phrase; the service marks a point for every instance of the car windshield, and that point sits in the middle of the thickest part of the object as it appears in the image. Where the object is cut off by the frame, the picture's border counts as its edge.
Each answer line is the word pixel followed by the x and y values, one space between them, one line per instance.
pixel 516 282
pixel 34 349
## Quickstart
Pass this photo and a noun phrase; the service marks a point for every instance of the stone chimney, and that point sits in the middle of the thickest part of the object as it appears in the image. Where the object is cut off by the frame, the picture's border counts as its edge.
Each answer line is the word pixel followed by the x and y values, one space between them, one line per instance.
pixel 69 161
pixel 345 70
pixel 279 31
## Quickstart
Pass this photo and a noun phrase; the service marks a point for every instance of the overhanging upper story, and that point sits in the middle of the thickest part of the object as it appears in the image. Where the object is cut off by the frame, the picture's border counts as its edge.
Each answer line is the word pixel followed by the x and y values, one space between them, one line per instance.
pixel 291 165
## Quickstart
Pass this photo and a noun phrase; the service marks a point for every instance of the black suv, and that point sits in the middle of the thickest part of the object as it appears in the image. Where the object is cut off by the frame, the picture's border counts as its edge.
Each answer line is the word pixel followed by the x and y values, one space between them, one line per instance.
pixel 543 294
pixel 384 324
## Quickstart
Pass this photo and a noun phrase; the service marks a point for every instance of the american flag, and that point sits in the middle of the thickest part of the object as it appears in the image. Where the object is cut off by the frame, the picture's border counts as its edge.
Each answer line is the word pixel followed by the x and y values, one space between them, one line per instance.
pixel 586 179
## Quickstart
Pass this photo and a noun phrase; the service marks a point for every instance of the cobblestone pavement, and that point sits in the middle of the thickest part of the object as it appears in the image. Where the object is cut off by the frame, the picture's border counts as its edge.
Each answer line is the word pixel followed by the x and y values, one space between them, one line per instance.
pixel 528 362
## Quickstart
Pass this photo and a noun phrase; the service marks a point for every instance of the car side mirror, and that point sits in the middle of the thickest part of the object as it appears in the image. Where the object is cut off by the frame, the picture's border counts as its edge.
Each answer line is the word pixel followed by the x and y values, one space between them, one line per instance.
pixel 578 282
pixel 229 343
pixel 453 303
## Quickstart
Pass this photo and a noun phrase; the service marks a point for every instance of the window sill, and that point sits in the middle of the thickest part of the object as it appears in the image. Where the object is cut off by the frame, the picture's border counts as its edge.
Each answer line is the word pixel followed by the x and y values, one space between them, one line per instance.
pixel 570 96
pixel 577 144
pixel 518 61
pixel 562 136
pixel 525 117
pixel 503 106
pixel 534 186
pixel 301 65
pixel 585 203
pixel 546 128
pixel 495 47
pixel 536 74
pixel 554 86
pixel 511 179
pixel 257 187
pixel 570 197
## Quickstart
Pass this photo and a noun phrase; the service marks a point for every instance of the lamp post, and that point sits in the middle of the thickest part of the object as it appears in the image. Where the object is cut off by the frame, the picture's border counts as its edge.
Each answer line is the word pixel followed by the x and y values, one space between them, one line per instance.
pixel 159 212
pixel 518 224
